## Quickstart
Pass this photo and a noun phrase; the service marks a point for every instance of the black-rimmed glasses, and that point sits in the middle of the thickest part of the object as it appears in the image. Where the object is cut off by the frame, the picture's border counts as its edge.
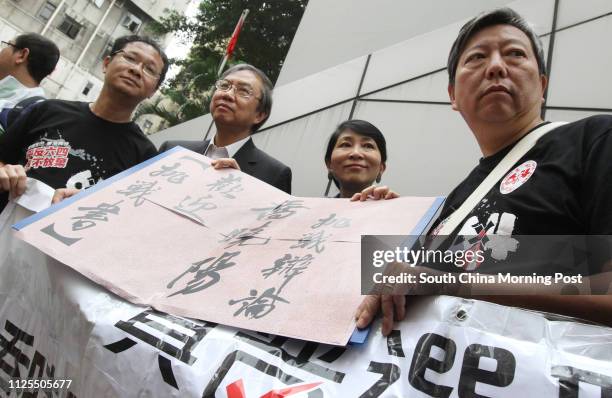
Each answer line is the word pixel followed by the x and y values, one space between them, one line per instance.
pixel 241 90
pixel 8 43
pixel 128 58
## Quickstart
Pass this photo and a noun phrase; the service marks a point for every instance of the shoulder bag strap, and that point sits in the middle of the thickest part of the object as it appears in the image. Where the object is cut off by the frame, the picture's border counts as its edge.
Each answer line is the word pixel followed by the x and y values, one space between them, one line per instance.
pixel 519 150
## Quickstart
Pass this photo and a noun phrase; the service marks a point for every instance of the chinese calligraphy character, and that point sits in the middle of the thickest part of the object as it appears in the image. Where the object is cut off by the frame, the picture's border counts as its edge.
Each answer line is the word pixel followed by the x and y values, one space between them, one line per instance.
pixel 333 222
pixel 9 349
pixel 282 210
pixel 138 191
pixel 174 176
pixel 290 265
pixel 204 278
pixel 180 346
pixel 98 213
pixel 246 237
pixel 226 185
pixel 312 241
pixel 258 307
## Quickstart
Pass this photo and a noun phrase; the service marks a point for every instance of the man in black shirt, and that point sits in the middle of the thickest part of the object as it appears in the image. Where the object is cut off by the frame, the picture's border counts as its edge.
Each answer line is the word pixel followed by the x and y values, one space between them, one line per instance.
pixel 559 187
pixel 68 144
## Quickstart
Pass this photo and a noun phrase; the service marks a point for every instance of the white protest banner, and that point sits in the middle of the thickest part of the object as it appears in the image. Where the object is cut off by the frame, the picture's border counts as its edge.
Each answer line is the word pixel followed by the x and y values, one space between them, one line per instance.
pixel 221 246
pixel 59 328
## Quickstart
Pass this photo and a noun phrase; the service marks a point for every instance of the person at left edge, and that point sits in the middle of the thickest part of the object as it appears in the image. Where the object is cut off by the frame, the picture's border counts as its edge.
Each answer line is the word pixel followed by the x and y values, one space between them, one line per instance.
pixel 241 103
pixel 69 144
pixel 24 62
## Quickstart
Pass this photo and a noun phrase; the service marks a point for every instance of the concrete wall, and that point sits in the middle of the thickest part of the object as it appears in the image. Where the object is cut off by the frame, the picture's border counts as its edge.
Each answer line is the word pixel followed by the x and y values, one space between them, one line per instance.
pixel 403 92
pixel 333 32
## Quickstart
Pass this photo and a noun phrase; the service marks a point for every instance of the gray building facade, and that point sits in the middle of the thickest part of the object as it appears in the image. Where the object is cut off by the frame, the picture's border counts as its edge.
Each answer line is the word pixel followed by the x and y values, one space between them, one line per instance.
pixel 84 31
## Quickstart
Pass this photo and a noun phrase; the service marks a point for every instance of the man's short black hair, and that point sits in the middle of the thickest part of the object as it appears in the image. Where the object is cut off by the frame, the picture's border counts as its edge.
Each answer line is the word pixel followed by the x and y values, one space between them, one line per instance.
pixel 499 16
pixel 123 41
pixel 42 57
pixel 265 103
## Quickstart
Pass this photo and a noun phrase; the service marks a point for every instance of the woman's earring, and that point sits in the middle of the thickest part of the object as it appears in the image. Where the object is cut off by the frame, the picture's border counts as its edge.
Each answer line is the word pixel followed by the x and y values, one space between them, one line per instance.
pixel 378 177
pixel 329 175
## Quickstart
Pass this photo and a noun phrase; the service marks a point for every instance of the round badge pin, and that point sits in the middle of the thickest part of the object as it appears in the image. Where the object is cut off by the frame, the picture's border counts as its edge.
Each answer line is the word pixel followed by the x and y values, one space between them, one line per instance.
pixel 517 177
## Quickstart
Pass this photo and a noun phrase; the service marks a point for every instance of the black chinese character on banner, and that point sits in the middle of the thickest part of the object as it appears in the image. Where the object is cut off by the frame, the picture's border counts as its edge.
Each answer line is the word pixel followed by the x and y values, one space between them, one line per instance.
pixel 37 368
pixel 283 210
pixel 204 278
pixel 93 214
pixel 226 185
pixel 173 176
pixel 313 240
pixel 182 352
pixel 246 237
pixel 139 190
pixel 256 306
pixel 333 222
pixel 289 266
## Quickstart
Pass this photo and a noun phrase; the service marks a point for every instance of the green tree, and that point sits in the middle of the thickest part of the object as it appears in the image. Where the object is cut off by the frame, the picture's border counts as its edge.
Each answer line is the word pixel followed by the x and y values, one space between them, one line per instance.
pixel 264 41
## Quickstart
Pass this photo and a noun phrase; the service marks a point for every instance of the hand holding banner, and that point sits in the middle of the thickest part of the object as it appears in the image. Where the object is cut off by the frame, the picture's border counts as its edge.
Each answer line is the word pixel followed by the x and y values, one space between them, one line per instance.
pixel 222 246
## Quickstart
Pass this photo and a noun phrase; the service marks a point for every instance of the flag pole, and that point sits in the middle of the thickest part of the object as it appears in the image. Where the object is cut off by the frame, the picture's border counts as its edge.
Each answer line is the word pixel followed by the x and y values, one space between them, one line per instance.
pixel 232 43
pixel 228 53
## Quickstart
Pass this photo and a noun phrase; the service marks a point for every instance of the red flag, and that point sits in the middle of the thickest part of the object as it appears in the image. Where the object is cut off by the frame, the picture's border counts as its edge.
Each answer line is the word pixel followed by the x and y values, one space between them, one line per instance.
pixel 233 40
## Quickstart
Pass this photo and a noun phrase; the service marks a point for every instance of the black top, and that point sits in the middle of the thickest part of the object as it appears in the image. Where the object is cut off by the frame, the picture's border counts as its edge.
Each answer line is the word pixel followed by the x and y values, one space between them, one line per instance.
pixel 251 160
pixel 560 190
pixel 63 144
pixel 561 186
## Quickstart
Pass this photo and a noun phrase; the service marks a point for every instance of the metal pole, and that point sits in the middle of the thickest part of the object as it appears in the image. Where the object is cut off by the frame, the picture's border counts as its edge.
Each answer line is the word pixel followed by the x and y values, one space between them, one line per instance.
pixel 57 10
pixel 93 36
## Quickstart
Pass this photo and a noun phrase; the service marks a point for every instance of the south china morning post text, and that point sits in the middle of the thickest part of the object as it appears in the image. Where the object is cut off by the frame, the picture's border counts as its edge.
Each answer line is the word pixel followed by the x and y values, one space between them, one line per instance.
pixel 471 269
pixel 459 259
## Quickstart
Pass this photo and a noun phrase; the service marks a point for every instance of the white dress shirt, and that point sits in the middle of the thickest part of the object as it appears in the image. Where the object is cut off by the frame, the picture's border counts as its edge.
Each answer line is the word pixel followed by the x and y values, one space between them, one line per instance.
pixel 218 152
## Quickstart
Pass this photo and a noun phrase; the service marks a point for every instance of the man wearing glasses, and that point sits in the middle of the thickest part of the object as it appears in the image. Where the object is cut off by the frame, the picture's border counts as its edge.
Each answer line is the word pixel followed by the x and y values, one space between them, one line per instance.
pixel 559 184
pixel 24 63
pixel 240 104
pixel 69 144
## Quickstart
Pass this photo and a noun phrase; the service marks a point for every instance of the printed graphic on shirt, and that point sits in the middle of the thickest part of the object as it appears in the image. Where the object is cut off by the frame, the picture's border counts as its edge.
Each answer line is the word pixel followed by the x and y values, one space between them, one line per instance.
pixel 50 152
pixel 489 231
pixel 81 180
pixel 517 177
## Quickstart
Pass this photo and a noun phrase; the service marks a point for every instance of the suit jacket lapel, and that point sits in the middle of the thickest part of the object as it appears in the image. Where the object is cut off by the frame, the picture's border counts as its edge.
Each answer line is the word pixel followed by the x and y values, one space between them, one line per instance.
pixel 247 156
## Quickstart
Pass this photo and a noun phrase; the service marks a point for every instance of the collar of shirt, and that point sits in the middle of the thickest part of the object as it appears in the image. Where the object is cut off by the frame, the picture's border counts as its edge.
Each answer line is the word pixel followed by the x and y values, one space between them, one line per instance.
pixel 231 149
pixel 12 92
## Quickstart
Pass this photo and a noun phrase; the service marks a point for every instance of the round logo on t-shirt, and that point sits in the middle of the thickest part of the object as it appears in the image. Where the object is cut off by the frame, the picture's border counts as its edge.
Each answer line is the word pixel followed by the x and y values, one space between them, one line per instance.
pixel 517 177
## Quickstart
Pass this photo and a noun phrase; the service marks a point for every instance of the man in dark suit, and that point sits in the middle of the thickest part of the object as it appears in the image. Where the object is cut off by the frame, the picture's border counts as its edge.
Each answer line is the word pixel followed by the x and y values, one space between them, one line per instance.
pixel 240 104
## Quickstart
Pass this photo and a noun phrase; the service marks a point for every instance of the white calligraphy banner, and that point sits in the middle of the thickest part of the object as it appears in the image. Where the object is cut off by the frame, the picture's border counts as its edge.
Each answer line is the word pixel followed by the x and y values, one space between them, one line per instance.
pixel 56 325
pixel 222 246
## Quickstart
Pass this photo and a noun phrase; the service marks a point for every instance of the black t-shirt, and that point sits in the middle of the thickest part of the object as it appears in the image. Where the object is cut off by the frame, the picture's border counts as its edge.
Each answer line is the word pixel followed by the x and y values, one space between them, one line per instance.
pixel 560 190
pixel 562 186
pixel 65 145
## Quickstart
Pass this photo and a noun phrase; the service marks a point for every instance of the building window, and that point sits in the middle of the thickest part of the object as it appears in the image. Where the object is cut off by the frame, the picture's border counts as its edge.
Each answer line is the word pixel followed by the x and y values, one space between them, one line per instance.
pixel 87 88
pixel 70 27
pixel 131 22
pixel 46 11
